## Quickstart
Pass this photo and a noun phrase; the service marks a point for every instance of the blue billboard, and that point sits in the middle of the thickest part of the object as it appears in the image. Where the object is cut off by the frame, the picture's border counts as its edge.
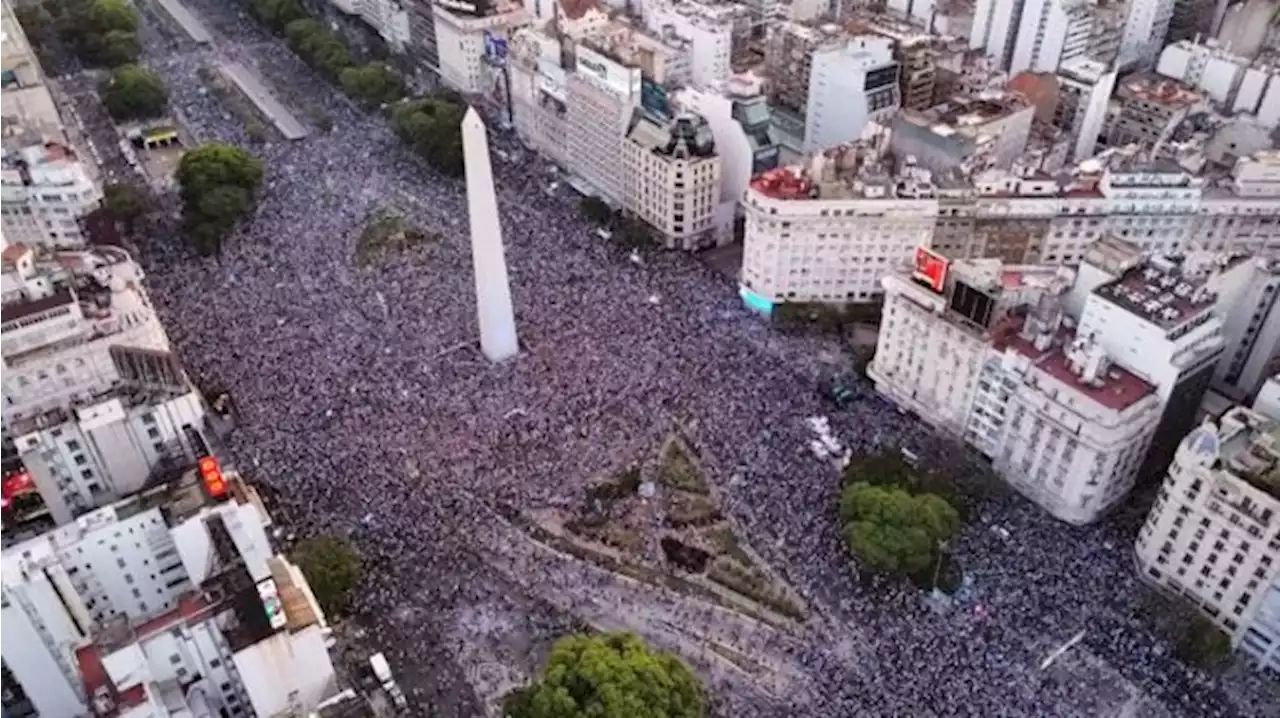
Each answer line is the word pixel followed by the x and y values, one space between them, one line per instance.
pixel 495 48
pixel 654 100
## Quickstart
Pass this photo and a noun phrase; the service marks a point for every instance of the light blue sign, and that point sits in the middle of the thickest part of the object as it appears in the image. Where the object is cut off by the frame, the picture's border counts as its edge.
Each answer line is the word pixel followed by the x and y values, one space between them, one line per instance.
pixel 755 302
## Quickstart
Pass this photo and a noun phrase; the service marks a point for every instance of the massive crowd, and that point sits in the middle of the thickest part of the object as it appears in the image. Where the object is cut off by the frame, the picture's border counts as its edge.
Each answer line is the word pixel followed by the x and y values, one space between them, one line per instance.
pixel 364 401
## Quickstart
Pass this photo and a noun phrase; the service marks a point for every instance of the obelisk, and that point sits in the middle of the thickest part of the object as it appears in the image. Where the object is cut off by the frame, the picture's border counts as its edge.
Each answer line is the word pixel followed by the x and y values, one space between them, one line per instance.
pixel 493 290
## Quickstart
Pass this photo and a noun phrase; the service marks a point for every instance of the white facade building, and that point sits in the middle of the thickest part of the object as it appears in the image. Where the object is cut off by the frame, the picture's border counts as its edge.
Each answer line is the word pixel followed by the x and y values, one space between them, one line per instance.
pixel 1050 33
pixel 828 232
pixel 1063 423
pixel 1249 302
pixel 1031 220
pixel 1233 83
pixel 103 451
pixel 1213 533
pixel 460 42
pixel 171 603
pixel 707 29
pixel 673 180
pixel 1145 29
pixel 389 18
pixel 1084 89
pixel 46 190
pixel 62 314
pixel 849 85
pixel 601 95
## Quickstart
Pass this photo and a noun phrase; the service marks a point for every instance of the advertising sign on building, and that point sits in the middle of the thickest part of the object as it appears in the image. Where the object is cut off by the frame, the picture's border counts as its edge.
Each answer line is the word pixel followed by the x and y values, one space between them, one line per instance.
pixel 931 269
pixel 654 100
pixel 551 78
pixel 624 80
pixel 495 48
pixel 458 6
pixel 272 604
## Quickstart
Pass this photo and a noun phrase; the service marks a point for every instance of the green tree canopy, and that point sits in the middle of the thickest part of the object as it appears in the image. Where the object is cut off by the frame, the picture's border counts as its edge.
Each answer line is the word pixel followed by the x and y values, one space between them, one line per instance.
pixel 433 127
pixel 596 210
pixel 117 47
pixel 218 184
pixel 612 675
pixel 318 46
pixel 332 567
pixel 124 202
pixel 134 93
pixel 1201 643
pixel 108 15
pixel 891 531
pixel 276 14
pixel 372 84
pixel 99 32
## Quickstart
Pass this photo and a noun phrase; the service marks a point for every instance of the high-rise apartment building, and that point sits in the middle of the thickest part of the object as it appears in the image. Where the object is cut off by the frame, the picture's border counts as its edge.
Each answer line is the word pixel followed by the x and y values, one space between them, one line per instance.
pixel 46 190
pixel 851 84
pixel 1150 108
pixel 968 134
pixel 170 603
pixel 1233 83
pixel 389 18
pixel 460 41
pixel 601 95
pixel 1145 28
pixel 1213 533
pixel 913 51
pixel 709 31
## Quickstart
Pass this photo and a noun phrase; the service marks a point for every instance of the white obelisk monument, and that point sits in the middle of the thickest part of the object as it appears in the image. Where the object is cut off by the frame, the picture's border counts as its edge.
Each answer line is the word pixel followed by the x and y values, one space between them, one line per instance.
pixel 493 290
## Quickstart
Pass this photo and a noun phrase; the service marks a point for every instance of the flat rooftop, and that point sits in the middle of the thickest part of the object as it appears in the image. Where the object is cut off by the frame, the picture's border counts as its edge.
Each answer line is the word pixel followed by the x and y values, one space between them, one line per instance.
pixel 965 115
pixel 14 311
pixel 1118 389
pixel 1160 293
pixel 1157 89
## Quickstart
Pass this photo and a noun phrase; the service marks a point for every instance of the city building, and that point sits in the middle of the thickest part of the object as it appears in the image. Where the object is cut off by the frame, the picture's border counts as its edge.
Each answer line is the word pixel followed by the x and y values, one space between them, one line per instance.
pixel 46 190
pixel 1075 100
pixel 740 125
pixel 1051 32
pixel 63 313
pixel 989 353
pixel 388 18
pixel 673 180
pixel 1145 28
pixel 912 50
pixel 27 102
pixel 601 95
pixel 1268 400
pixel 1150 108
pixel 663 60
pixel 1251 327
pixel 829 230
pixel 850 84
pixel 708 30
pixel 789 62
pixel 460 41
pixel 967 133
pixel 1234 84
pixel 1160 207
pixel 1213 534
pixel 170 603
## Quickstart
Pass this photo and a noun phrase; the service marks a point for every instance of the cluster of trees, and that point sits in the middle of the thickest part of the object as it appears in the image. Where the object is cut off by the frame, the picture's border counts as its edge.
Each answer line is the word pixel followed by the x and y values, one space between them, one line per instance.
pixel 218 183
pixel 124 202
pixel 133 92
pixel 332 568
pixel 371 84
pixel 628 232
pixel 891 526
pixel 100 33
pixel 432 126
pixel 1196 640
pixel 610 675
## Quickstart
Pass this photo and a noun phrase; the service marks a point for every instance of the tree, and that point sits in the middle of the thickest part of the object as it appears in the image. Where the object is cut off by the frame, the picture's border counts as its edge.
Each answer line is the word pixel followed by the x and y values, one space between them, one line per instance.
pixel 596 210
pixel 318 46
pixel 134 93
pixel 125 203
pixel 432 126
pixel 1201 643
pixel 218 184
pixel 891 531
pixel 611 675
pixel 332 567
pixel 372 84
pixel 108 15
pixel 276 14
pixel 116 48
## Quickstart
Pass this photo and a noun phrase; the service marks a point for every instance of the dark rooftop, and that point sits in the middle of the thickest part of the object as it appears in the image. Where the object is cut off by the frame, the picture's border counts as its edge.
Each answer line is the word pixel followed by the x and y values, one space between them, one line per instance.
pixel 14 311
pixel 1118 389
pixel 1159 292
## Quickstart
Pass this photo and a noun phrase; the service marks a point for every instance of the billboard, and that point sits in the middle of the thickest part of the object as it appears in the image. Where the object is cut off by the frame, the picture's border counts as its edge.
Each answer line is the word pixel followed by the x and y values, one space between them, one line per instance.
pixel 215 484
pixel 624 80
pixel 765 159
pixel 931 269
pixel 459 6
pixel 272 604
pixel 551 78
pixel 495 48
pixel 654 100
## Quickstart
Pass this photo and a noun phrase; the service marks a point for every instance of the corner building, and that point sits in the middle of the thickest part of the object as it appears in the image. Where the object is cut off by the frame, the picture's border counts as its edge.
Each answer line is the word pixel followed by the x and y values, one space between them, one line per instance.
pixel 1213 535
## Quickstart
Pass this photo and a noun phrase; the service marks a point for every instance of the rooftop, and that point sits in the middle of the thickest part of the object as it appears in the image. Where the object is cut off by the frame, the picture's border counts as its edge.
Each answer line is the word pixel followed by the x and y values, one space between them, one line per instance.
pixel 1116 388
pixel 966 115
pixel 13 311
pixel 1249 448
pixel 106 699
pixel 1161 292
pixel 1156 89
pixel 687 137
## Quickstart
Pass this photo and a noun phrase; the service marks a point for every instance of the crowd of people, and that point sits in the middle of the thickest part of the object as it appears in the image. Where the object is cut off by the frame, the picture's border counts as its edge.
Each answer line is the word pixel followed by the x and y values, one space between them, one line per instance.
pixel 364 402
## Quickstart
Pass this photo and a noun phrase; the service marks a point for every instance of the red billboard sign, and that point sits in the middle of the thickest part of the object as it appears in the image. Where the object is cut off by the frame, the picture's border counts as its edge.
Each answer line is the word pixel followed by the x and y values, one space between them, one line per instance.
pixel 931 269
pixel 211 474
